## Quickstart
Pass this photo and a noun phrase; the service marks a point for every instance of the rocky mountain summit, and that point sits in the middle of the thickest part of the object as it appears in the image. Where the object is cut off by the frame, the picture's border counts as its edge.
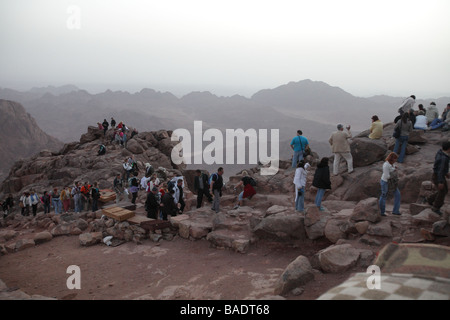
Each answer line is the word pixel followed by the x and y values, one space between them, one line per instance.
pixel 350 228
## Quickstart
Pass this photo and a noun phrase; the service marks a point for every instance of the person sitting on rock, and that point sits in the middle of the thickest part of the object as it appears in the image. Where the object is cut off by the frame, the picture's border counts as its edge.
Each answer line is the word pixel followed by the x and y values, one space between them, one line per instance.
pixel 376 129
pixel 421 121
pixel 440 122
pixel 432 113
pixel 248 191
pixel 102 150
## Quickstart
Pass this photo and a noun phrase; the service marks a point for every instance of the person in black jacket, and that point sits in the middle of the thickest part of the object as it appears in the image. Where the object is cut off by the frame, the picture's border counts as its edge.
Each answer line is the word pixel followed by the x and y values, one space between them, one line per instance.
pixel 105 125
pixel 321 181
pixel 201 186
pixel 440 173
pixel 151 204
pixel 168 206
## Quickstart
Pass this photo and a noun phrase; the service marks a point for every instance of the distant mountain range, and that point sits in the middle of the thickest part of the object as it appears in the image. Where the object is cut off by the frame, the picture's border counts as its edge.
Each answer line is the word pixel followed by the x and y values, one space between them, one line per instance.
pixel 312 106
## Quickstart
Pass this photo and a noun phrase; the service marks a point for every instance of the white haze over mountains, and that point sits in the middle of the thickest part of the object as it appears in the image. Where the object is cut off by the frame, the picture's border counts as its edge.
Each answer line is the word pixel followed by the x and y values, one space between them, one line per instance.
pixel 397 48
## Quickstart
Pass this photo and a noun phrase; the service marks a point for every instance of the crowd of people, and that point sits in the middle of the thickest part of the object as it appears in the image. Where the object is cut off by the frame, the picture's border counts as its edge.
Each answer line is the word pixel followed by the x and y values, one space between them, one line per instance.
pixel 76 198
pixel 166 198
pixel 407 120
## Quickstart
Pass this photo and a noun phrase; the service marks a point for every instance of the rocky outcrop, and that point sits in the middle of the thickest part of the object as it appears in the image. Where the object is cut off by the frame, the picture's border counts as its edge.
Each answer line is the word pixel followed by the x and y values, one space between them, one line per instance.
pixel 21 136
pixel 80 162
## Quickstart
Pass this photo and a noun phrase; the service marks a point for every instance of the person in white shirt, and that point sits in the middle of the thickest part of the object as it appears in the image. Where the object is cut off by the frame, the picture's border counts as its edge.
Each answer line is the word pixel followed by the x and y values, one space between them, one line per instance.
pixel 300 184
pixel 421 121
pixel 389 173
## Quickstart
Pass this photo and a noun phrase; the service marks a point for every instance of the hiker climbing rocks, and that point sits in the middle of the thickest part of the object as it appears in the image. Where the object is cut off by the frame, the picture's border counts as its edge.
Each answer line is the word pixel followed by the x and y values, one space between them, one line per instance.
pixel 248 192
pixel 321 181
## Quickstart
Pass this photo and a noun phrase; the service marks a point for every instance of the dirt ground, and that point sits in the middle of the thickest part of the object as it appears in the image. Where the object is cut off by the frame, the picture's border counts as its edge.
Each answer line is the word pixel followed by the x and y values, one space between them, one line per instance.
pixel 169 270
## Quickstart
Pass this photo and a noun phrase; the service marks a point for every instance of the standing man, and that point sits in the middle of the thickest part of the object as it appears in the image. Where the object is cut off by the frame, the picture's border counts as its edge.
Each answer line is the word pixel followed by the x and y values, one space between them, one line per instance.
pixel 298 144
pixel 151 204
pixel 201 186
pixel 105 126
pixel 341 148
pixel 440 173
pixel 216 184
pixel 407 105
pixel 178 195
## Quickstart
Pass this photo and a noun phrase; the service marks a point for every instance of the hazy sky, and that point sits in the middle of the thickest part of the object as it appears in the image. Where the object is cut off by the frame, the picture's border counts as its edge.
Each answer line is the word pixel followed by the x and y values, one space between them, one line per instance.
pixel 395 47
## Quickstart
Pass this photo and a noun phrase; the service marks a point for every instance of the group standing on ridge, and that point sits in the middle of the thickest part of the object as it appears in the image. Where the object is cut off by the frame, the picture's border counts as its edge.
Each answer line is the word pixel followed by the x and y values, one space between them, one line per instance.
pixel 407 121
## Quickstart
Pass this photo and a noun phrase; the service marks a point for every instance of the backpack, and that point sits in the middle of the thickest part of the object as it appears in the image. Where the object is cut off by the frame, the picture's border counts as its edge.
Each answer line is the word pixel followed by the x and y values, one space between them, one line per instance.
pixel 211 178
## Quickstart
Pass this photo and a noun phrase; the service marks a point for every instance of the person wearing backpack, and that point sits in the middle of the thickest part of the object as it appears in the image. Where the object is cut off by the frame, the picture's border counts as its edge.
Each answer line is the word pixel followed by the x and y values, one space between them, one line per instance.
pixel 215 187
pixel 321 181
pixel 248 192
pixel 299 145
pixel 201 186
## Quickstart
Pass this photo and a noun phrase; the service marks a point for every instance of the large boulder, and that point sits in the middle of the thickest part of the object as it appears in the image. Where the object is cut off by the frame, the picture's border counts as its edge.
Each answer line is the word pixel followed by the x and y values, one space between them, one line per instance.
pixel 90 238
pixel 367 210
pixel 338 258
pixel 298 273
pixel 315 222
pixel 285 225
pixel 366 151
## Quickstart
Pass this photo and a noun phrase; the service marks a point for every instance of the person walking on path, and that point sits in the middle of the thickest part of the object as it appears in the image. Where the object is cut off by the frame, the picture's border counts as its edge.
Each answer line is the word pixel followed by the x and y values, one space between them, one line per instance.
pixel 341 148
pixel 401 142
pixel 298 144
pixel 201 186
pixel 439 178
pixel 216 184
pixel 321 181
pixel 389 180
